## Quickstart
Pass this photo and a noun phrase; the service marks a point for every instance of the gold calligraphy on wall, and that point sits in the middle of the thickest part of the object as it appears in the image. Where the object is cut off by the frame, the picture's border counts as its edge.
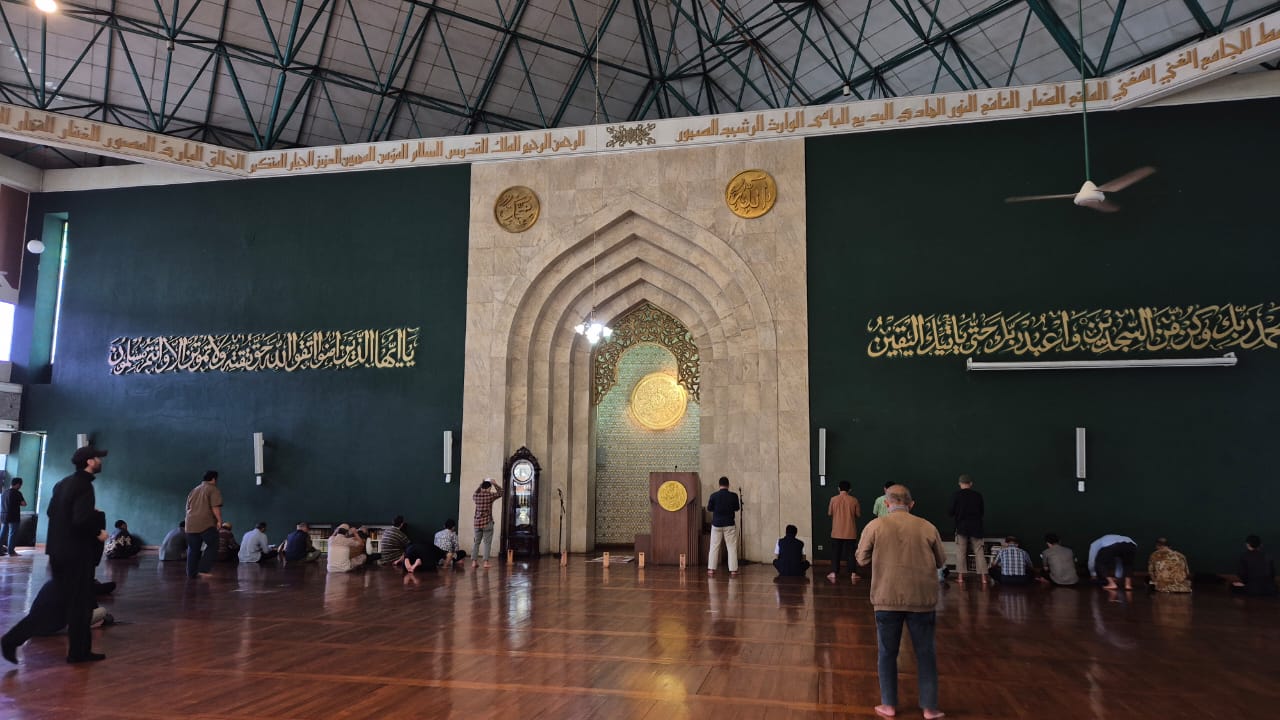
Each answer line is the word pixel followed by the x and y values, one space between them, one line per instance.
pixel 516 209
pixel 658 401
pixel 751 193
pixel 252 352
pixel 1098 332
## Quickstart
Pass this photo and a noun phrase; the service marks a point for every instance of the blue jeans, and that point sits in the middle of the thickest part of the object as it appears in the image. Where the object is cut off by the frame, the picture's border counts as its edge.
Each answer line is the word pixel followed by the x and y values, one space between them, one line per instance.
pixel 198 562
pixel 9 537
pixel 921 625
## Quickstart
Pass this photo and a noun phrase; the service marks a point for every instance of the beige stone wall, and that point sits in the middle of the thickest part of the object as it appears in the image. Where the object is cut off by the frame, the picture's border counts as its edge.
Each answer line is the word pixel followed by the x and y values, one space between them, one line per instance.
pixel 657 228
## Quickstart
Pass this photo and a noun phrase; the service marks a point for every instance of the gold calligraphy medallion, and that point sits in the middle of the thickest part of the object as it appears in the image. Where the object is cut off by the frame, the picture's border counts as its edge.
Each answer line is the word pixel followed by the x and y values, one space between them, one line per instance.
pixel 658 401
pixel 516 209
pixel 672 496
pixel 751 193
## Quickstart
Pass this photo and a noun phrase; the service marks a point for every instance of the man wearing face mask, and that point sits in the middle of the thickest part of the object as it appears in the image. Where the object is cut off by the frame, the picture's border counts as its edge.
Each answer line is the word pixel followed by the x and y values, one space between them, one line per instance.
pixel 77 530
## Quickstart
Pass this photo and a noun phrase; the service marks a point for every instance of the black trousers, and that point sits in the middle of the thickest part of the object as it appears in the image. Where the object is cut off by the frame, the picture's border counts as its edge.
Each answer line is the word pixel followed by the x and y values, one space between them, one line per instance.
pixel 998 575
pixel 1105 562
pixel 802 568
pixel 842 550
pixel 66 600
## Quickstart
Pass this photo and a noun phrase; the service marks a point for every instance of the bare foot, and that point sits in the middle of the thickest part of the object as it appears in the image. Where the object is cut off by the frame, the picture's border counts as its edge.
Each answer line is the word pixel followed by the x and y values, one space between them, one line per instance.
pixel 931 714
pixel 831 576
pixel 474 564
pixel 985 579
pixel 853 577
pixel 486 564
pixel 960 579
pixel 711 572
pixel 1110 586
pixel 1128 585
pixel 886 710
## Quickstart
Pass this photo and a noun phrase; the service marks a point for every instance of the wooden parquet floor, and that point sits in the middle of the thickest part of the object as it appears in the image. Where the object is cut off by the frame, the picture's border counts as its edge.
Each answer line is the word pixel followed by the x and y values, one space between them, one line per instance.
pixel 539 641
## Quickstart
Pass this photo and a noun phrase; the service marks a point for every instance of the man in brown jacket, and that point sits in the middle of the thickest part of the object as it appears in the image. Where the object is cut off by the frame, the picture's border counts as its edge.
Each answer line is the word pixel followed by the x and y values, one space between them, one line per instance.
pixel 844 512
pixel 905 553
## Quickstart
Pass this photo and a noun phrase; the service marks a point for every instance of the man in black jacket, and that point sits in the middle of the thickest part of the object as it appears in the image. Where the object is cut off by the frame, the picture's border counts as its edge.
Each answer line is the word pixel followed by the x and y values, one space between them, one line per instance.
pixel 722 505
pixel 77 530
pixel 967 509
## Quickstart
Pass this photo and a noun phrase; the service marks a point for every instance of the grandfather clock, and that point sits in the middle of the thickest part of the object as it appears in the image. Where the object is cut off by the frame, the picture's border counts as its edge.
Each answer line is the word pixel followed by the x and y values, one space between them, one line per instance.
pixel 520 531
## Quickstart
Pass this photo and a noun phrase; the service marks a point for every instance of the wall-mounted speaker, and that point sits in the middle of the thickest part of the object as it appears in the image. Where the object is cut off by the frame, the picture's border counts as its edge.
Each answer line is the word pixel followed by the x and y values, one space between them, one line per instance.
pixel 259 464
pixel 448 456
pixel 822 456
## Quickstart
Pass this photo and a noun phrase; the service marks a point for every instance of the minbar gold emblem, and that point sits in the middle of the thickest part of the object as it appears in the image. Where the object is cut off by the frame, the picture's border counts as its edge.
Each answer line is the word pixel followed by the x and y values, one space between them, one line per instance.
pixel 751 193
pixel 672 496
pixel 516 209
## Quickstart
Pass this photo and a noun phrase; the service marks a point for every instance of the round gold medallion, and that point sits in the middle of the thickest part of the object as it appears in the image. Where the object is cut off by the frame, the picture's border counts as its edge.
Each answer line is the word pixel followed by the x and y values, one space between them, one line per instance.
pixel 751 193
pixel 672 496
pixel 658 401
pixel 516 209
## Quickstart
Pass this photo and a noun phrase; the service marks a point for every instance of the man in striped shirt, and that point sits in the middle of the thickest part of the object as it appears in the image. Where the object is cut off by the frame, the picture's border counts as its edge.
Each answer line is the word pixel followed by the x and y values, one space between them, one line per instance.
pixel 1011 564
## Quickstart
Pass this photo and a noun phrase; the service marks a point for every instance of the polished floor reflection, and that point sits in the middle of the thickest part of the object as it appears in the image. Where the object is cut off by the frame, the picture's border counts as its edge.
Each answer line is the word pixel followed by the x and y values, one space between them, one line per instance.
pixel 588 642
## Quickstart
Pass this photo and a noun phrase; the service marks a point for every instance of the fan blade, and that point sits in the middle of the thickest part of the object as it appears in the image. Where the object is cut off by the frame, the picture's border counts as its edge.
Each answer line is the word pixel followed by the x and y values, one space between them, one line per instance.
pixel 1127 179
pixel 1028 198
pixel 1104 206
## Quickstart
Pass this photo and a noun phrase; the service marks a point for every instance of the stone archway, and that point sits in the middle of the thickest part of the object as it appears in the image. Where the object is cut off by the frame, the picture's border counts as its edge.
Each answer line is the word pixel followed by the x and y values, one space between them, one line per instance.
pixel 528 379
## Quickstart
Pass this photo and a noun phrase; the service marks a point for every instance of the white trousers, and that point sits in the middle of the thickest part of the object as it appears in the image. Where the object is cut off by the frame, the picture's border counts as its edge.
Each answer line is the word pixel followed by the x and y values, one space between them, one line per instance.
pixel 727 536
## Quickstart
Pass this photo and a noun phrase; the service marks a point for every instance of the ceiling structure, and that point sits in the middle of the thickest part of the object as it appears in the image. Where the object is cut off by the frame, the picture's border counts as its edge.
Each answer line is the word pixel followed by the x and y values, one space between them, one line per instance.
pixel 262 74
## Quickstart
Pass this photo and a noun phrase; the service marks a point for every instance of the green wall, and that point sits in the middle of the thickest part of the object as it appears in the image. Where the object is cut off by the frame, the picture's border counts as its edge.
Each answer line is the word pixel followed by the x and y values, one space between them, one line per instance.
pixel 913 222
pixel 351 251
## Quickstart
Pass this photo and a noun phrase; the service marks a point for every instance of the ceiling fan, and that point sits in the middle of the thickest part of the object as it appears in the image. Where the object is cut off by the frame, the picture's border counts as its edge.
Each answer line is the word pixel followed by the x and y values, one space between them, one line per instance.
pixel 1090 196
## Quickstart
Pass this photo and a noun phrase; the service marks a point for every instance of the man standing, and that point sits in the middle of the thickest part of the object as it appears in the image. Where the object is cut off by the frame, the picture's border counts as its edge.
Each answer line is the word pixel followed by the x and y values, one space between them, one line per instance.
pixel 74 543
pixel 844 512
pixel 1111 556
pixel 484 497
pixel 877 508
pixel 722 505
pixel 1168 570
pixel 255 547
pixel 204 515
pixel 967 510
pixel 11 516
pixel 905 554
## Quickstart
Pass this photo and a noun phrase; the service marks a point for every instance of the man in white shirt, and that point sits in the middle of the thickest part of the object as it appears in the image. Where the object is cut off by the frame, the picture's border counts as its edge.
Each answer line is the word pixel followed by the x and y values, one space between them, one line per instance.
pixel 1112 556
pixel 346 550
pixel 254 546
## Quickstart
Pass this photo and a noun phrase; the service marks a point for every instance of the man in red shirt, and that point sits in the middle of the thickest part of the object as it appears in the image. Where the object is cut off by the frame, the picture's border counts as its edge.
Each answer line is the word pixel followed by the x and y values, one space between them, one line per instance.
pixel 484 497
pixel 844 511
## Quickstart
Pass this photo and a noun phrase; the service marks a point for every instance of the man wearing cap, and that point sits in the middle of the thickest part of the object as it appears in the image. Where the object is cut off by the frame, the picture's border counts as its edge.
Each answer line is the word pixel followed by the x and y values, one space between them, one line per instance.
pixel 77 530
pixel 484 497
pixel 204 517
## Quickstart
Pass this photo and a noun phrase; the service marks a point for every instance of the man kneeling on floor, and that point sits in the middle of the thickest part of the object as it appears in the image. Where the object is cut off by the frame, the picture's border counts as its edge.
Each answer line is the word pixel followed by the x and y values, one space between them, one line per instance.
pixel 1011 564
pixel 789 552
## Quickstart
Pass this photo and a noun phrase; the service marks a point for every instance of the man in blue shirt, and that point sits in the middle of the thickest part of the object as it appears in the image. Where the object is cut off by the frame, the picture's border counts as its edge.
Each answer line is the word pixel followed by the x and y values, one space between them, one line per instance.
pixel 1112 556
pixel 298 547
pixel 254 546
pixel 1011 564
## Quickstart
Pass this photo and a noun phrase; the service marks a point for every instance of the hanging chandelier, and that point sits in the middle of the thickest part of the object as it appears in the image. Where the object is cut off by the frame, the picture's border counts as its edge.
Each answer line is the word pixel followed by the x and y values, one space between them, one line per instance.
pixel 593 329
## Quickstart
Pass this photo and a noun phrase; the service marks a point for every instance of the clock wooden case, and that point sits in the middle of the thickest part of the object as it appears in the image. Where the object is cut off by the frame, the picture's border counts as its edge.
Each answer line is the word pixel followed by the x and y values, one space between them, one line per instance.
pixel 523 478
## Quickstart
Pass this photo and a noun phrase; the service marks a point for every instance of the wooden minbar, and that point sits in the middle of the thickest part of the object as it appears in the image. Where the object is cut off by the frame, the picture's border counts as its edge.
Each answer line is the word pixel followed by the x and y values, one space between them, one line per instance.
pixel 676 517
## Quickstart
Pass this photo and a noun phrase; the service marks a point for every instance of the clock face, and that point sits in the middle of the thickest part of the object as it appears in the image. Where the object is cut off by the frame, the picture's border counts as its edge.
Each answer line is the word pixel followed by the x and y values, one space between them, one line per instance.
pixel 522 471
